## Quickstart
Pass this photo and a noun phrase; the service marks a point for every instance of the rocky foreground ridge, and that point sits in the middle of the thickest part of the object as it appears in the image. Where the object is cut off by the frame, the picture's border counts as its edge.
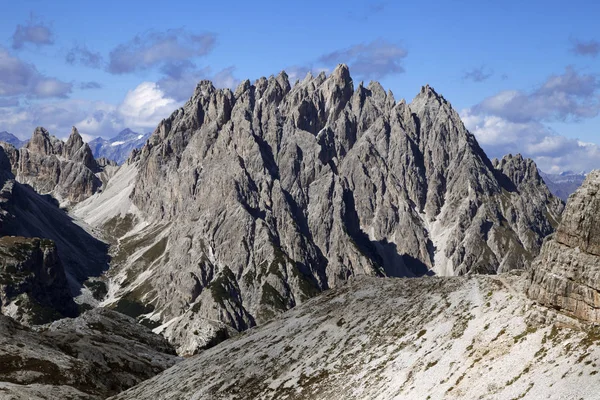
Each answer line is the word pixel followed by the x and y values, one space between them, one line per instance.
pixel 244 204
pixel 566 275
pixel 90 357
pixel 474 337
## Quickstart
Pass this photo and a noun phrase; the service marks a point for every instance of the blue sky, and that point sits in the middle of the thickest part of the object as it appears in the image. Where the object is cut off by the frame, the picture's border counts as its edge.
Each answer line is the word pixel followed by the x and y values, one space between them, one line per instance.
pixel 523 76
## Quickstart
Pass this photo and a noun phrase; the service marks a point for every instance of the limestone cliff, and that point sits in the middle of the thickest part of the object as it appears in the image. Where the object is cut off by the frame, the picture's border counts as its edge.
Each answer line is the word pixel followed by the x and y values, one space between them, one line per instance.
pixel 244 204
pixel 566 275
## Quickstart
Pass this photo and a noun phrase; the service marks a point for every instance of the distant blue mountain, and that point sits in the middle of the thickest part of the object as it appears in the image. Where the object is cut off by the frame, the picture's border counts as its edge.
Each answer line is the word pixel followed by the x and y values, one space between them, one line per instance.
pixel 563 184
pixel 12 139
pixel 119 147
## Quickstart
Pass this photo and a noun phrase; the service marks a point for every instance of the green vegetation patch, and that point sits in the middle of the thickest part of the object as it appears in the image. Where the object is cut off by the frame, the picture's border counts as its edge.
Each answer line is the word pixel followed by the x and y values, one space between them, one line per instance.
pixel 132 307
pixel 270 296
pixel 222 285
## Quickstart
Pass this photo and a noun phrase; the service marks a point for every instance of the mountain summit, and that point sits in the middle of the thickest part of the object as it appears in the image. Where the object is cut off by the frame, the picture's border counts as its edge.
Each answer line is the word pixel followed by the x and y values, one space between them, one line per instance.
pixel 244 204
pixel 66 170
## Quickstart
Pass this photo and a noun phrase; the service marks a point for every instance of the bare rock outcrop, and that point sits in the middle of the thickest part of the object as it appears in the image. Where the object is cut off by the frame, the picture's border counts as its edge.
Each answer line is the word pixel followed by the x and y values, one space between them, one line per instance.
pixel 26 214
pixel 93 356
pixel 468 337
pixel 33 284
pixel 566 275
pixel 66 170
pixel 244 204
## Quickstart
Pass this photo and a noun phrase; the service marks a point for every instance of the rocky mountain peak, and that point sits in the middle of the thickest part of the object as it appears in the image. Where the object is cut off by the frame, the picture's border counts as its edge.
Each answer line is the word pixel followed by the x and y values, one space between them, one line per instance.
pixel 428 100
pixel 518 169
pixel 256 200
pixel 341 74
pixel 49 165
pixel 242 88
pixel 77 150
pixel 40 142
pixel 283 81
pixel 204 89
pixel 74 142
pixel 8 137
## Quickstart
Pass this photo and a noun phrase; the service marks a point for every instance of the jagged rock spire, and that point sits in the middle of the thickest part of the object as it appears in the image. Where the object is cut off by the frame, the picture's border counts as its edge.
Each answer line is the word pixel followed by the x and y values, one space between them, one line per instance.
pixel 316 183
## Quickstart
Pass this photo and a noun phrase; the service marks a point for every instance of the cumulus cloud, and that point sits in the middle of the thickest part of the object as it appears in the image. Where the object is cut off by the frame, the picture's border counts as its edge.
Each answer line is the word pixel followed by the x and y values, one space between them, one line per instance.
pixel 81 55
pixel 479 74
pixel 141 110
pixel 158 48
pixel 145 106
pixel 515 122
pixel 32 32
pixel 373 60
pixel 583 48
pixel 569 96
pixel 57 116
pixel 20 78
pixel 551 151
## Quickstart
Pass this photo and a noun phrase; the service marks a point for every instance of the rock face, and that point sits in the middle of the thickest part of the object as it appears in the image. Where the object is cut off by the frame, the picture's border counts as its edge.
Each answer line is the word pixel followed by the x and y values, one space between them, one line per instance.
pixel 118 148
pixel 64 170
pixel 475 337
pixel 33 284
pixel 244 204
pixel 566 275
pixel 25 213
pixel 93 356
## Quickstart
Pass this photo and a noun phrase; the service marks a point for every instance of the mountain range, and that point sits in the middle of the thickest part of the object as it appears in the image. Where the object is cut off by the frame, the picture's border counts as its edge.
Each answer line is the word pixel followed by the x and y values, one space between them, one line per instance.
pixel 309 197
pixel 119 147
pixel 12 139
pixel 564 184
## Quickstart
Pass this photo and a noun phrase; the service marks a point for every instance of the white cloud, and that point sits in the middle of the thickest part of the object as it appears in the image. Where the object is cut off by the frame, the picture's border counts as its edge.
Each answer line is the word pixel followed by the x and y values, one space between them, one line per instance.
pixel 514 121
pixel 141 110
pixel 153 49
pixel 551 151
pixel 374 60
pixel 569 96
pixel 145 106
pixel 21 78
pixel 33 32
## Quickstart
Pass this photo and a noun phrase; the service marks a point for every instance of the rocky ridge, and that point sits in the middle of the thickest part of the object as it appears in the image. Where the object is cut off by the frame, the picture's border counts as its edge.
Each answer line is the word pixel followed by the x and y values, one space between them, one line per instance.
pixel 474 337
pixel 566 275
pixel 65 170
pixel 90 357
pixel 244 204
